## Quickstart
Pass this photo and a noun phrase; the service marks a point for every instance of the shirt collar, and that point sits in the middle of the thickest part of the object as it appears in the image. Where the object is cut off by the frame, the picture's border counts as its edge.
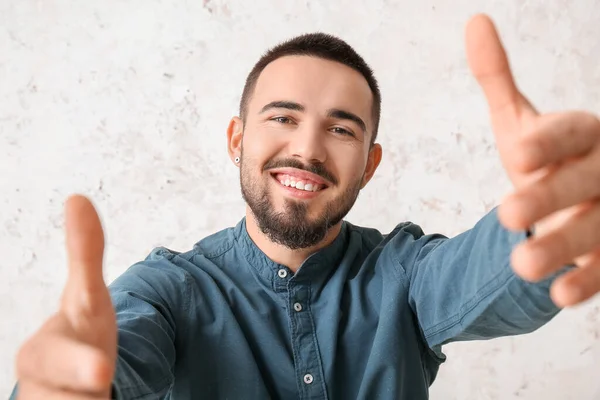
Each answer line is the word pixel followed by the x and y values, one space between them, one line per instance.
pixel 319 264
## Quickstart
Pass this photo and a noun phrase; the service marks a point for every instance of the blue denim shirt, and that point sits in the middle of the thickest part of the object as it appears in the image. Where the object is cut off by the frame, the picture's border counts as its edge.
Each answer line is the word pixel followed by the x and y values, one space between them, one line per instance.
pixel 364 318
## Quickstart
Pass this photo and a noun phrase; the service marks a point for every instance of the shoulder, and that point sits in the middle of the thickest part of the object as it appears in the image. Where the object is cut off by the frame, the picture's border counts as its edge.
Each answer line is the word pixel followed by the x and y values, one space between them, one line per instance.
pixel 405 232
pixel 163 268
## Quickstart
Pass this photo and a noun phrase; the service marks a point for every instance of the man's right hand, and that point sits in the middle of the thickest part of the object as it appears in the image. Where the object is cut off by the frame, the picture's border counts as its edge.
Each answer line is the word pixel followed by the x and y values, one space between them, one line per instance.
pixel 73 354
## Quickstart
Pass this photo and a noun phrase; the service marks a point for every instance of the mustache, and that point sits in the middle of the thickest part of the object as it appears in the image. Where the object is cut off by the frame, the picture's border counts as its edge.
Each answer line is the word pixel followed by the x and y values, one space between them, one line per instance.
pixel 317 169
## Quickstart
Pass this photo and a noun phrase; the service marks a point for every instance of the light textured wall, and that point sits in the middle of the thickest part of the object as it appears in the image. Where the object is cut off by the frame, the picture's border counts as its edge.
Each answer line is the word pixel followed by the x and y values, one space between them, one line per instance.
pixel 128 102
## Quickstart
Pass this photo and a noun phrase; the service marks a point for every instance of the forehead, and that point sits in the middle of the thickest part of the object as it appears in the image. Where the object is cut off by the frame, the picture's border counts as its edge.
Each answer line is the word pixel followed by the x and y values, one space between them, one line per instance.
pixel 316 83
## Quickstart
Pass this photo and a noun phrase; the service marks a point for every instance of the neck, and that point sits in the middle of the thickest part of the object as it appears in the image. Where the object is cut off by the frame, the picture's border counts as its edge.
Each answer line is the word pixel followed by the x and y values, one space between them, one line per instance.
pixel 292 259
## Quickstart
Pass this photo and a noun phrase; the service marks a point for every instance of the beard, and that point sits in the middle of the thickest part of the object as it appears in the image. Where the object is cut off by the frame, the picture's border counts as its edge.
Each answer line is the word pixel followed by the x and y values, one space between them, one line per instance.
pixel 292 227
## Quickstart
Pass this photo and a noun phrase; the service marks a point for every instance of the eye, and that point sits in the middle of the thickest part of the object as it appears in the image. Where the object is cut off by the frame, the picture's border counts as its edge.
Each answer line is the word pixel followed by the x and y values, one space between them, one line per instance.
pixel 341 131
pixel 282 120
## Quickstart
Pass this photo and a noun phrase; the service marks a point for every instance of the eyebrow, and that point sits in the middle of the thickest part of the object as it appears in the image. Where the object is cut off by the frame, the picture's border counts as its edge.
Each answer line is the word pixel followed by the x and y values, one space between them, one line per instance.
pixel 331 113
pixel 288 105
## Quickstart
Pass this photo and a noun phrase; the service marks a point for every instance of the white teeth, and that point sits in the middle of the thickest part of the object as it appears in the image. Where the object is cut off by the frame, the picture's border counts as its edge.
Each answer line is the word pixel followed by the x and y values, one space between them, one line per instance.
pixel 300 185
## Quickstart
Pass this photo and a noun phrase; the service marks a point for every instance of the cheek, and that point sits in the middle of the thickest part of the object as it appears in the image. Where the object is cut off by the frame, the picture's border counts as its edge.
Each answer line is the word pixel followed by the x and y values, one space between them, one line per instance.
pixel 260 147
pixel 350 166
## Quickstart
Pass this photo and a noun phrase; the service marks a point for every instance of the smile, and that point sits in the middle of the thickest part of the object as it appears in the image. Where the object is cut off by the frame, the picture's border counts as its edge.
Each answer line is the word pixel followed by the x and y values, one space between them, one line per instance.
pixel 298 183
pixel 299 188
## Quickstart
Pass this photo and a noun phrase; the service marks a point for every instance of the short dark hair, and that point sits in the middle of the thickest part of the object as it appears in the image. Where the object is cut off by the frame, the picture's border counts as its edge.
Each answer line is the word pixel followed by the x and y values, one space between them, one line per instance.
pixel 320 45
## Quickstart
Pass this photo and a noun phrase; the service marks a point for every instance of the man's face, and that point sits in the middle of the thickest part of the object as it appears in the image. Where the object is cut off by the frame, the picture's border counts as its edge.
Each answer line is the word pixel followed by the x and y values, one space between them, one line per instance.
pixel 305 147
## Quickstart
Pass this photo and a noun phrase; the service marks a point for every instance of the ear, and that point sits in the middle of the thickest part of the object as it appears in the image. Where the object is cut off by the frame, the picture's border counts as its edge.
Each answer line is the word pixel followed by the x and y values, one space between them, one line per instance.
pixel 375 154
pixel 234 138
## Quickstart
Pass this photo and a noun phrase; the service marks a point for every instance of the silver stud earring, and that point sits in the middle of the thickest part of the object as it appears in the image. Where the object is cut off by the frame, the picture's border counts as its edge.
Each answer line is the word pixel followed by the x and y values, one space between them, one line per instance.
pixel 237 160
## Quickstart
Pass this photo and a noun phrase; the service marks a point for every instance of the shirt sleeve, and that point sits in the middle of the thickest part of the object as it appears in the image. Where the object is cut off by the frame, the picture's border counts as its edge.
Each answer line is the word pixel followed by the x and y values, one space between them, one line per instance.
pixel 464 288
pixel 145 298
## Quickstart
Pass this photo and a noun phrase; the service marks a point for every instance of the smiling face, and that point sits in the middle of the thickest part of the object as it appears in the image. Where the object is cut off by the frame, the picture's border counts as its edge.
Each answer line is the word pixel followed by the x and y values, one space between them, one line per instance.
pixel 305 147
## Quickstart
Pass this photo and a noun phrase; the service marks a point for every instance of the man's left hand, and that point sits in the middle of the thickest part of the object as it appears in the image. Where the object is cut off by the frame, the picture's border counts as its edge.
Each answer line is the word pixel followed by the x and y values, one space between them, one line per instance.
pixel 553 161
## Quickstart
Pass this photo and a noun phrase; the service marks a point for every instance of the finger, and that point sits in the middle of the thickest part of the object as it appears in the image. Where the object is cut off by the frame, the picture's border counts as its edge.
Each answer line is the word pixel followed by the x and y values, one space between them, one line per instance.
pixel 541 256
pixel 587 258
pixel 490 67
pixel 556 138
pixel 578 285
pixel 33 391
pixel 573 183
pixel 85 243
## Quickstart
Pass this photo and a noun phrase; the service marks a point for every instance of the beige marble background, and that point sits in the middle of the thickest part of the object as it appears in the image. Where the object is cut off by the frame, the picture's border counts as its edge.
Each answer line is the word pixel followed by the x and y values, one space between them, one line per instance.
pixel 128 102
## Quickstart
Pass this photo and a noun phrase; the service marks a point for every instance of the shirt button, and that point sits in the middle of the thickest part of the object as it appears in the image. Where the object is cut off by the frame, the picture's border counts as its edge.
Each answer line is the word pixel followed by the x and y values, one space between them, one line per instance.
pixel 308 379
pixel 297 306
pixel 282 273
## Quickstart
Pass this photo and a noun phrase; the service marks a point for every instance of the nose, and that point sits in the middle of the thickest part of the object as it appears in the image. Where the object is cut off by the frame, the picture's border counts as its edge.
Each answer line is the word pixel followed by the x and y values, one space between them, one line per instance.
pixel 308 144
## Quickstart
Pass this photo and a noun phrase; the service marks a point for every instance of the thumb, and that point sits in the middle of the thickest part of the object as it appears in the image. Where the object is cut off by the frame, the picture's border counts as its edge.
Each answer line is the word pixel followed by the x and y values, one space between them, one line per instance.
pixel 490 67
pixel 85 243
pixel 86 301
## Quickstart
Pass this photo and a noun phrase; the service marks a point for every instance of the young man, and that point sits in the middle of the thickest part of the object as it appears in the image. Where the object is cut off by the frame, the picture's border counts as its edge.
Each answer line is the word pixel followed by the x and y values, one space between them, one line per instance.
pixel 294 302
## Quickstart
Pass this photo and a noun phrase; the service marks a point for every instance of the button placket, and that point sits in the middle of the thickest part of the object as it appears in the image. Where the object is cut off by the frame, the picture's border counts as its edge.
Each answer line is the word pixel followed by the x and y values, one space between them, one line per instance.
pixel 306 359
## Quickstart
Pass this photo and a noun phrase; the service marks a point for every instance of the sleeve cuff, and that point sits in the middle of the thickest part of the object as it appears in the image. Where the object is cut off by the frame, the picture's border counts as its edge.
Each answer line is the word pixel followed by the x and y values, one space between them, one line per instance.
pixel 114 393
